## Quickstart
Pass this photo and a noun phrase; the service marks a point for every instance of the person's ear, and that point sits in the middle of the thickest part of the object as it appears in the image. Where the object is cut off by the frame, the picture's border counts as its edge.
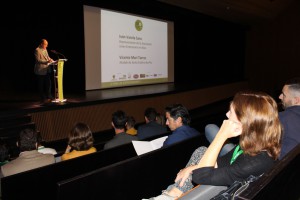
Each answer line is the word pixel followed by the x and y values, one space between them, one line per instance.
pixel 17 143
pixel 179 120
pixel 112 124
pixel 297 101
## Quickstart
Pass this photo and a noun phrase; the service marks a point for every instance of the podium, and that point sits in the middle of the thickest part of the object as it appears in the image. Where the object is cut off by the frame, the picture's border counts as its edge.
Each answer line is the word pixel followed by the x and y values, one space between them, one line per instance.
pixel 58 80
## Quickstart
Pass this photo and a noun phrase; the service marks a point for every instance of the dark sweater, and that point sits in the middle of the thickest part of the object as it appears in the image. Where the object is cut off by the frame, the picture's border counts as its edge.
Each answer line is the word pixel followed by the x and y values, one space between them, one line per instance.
pixel 240 169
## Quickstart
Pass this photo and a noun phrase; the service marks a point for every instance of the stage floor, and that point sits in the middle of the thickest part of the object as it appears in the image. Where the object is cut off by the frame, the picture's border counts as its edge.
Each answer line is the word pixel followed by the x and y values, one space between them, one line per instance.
pixel 13 102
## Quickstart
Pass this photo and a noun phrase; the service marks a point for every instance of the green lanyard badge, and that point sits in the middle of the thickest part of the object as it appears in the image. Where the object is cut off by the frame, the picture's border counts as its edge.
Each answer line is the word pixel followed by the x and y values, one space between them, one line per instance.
pixel 236 153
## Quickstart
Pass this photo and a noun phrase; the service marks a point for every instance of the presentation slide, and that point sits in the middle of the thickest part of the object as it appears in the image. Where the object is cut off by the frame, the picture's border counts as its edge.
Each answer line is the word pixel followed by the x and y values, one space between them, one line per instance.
pixel 124 49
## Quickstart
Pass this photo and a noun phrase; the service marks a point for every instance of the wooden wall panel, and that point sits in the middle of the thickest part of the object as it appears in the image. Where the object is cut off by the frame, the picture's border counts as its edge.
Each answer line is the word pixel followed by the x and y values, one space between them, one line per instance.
pixel 56 124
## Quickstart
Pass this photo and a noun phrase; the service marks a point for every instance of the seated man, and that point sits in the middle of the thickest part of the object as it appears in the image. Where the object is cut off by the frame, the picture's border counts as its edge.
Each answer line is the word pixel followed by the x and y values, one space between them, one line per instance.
pixel 151 128
pixel 119 121
pixel 29 157
pixel 178 120
pixel 290 117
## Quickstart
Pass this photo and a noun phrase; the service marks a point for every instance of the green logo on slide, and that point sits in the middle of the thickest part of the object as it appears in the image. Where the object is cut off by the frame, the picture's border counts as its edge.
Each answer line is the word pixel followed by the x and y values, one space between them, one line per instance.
pixel 138 25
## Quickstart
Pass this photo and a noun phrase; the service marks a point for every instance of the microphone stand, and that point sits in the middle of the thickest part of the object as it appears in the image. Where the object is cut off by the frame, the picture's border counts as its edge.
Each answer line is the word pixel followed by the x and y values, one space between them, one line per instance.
pixel 62 55
pixel 57 53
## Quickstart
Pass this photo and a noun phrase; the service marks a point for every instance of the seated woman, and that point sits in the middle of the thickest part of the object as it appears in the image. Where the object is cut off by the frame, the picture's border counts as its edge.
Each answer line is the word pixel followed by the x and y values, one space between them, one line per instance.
pixel 80 142
pixel 130 129
pixel 253 116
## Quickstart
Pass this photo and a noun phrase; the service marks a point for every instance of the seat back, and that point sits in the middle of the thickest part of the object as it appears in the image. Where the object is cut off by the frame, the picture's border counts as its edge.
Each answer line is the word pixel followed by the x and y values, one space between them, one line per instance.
pixel 23 185
pixel 281 182
pixel 135 178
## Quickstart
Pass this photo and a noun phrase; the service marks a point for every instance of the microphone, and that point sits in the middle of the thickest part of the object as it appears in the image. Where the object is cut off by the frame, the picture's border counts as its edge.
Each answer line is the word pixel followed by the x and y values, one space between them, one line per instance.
pixel 57 53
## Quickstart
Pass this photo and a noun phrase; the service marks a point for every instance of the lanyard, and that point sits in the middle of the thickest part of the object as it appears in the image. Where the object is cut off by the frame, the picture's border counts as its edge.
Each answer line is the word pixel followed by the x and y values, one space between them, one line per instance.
pixel 236 153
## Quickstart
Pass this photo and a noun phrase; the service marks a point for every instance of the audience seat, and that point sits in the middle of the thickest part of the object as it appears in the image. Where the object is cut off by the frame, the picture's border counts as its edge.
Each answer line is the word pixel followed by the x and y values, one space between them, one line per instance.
pixel 281 182
pixel 139 177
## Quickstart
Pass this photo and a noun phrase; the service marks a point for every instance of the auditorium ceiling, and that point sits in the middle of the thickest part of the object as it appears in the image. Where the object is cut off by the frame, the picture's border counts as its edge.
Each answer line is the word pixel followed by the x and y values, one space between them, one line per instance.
pixel 247 12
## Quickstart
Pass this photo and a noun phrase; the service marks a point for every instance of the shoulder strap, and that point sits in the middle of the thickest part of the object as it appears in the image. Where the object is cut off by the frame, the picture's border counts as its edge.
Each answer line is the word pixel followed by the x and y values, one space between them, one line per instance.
pixel 245 185
pixel 235 189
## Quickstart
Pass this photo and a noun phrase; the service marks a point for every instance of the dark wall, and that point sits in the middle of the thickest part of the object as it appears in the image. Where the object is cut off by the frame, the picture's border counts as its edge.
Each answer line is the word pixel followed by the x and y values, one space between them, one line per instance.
pixel 212 47
pixel 23 28
pixel 273 51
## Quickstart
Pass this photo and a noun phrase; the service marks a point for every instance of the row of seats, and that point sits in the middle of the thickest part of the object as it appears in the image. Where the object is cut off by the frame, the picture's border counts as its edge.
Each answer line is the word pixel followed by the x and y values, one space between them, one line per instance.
pixel 10 127
pixel 136 178
pixel 117 171
pixel 45 179
pixel 280 182
pixel 142 177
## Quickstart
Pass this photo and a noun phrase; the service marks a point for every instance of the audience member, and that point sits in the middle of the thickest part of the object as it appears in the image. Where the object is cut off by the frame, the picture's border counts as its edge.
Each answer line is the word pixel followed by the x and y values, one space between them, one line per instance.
pixel 178 120
pixel 42 149
pixel 81 142
pixel 29 157
pixel 290 117
pixel 161 119
pixel 4 159
pixel 130 129
pixel 119 120
pixel 253 116
pixel 4 155
pixel 151 127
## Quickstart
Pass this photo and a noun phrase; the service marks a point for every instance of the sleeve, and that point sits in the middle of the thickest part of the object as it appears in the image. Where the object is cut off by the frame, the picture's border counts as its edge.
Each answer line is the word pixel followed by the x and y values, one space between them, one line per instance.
pixel 140 132
pixel 178 135
pixel 39 59
pixel 173 139
pixel 244 166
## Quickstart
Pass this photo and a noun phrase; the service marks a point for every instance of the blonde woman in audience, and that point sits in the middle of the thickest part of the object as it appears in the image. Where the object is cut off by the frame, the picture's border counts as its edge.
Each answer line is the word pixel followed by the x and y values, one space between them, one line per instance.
pixel 81 142
pixel 130 126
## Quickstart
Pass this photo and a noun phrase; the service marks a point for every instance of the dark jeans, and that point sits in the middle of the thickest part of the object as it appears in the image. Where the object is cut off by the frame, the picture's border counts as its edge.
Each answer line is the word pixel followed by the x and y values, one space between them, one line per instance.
pixel 44 86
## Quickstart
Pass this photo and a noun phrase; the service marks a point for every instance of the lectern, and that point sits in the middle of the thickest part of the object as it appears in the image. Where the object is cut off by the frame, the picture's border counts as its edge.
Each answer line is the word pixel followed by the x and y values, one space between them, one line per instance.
pixel 58 80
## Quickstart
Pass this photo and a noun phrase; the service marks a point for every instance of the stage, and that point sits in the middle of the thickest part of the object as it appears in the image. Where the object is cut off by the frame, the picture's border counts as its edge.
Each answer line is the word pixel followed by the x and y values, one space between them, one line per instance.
pixel 28 102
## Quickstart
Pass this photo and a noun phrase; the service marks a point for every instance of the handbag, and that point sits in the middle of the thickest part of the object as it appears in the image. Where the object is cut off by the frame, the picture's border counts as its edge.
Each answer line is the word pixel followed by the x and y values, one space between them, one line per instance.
pixel 235 189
